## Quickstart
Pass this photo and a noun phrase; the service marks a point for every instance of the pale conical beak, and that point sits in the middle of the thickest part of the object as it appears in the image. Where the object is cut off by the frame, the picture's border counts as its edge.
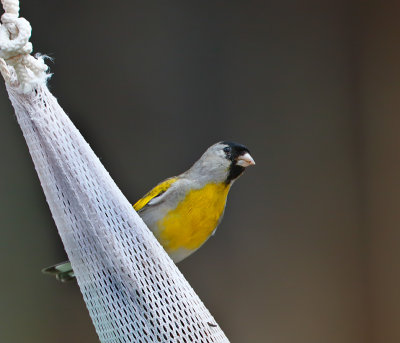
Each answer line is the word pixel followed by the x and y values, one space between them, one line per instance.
pixel 245 160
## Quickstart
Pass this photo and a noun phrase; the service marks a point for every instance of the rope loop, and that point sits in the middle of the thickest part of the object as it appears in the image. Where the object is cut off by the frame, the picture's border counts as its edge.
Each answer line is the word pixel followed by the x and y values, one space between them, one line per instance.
pixel 14 36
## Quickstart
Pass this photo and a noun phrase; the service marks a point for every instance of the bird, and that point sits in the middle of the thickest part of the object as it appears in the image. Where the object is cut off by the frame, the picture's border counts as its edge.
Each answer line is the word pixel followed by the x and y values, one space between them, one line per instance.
pixel 184 211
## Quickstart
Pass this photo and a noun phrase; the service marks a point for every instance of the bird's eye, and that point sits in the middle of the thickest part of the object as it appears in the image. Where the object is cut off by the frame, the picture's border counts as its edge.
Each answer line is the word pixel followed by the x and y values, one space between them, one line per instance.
pixel 227 149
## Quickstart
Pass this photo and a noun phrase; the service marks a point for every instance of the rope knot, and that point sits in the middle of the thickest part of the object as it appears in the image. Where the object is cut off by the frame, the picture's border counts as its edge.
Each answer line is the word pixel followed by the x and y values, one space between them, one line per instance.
pixel 15 48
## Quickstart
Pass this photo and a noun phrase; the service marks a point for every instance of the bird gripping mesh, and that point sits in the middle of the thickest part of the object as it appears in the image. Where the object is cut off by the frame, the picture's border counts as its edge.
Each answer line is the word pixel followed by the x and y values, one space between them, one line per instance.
pixel 132 289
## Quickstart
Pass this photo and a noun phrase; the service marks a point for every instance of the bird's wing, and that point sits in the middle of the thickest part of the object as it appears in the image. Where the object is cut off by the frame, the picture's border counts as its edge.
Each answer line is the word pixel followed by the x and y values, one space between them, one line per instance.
pixel 154 194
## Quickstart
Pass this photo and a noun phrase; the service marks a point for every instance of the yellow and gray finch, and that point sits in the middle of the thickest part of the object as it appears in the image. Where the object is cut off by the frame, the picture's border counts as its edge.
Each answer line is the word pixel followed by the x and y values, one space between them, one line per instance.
pixel 185 210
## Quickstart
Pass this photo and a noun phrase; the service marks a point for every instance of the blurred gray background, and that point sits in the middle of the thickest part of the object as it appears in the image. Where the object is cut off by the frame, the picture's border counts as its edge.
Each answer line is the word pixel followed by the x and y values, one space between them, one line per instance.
pixel 308 251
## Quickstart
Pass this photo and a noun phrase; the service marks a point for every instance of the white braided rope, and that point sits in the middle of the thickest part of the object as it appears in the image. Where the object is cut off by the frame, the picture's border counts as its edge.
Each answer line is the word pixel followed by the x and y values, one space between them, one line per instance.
pixel 15 49
pixel 132 289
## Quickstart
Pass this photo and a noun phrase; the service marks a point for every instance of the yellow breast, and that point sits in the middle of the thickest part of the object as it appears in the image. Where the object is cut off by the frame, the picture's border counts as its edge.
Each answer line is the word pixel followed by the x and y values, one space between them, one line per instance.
pixel 194 219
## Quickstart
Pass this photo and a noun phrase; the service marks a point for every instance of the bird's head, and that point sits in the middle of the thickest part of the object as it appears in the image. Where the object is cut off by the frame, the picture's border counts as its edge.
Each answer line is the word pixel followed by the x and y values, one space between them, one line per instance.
pixel 223 162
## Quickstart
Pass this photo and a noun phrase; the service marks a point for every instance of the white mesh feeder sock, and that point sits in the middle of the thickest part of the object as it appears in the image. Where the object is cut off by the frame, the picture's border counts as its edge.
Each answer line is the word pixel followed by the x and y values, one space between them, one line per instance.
pixel 132 289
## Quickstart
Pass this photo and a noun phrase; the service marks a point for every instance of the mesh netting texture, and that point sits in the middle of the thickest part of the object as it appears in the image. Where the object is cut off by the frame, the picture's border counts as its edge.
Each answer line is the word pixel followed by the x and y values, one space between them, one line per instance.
pixel 132 289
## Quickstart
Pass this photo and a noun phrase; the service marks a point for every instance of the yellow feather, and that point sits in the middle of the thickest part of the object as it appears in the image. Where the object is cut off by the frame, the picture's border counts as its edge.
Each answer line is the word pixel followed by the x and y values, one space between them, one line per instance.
pixel 195 218
pixel 156 191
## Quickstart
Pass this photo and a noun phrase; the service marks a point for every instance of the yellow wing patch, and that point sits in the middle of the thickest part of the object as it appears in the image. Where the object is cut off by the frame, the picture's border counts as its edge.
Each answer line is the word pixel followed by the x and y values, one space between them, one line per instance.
pixel 156 191
pixel 194 219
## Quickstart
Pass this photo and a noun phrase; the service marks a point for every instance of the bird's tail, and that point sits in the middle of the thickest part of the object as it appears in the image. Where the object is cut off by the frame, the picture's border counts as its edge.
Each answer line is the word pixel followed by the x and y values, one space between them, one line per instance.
pixel 62 271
